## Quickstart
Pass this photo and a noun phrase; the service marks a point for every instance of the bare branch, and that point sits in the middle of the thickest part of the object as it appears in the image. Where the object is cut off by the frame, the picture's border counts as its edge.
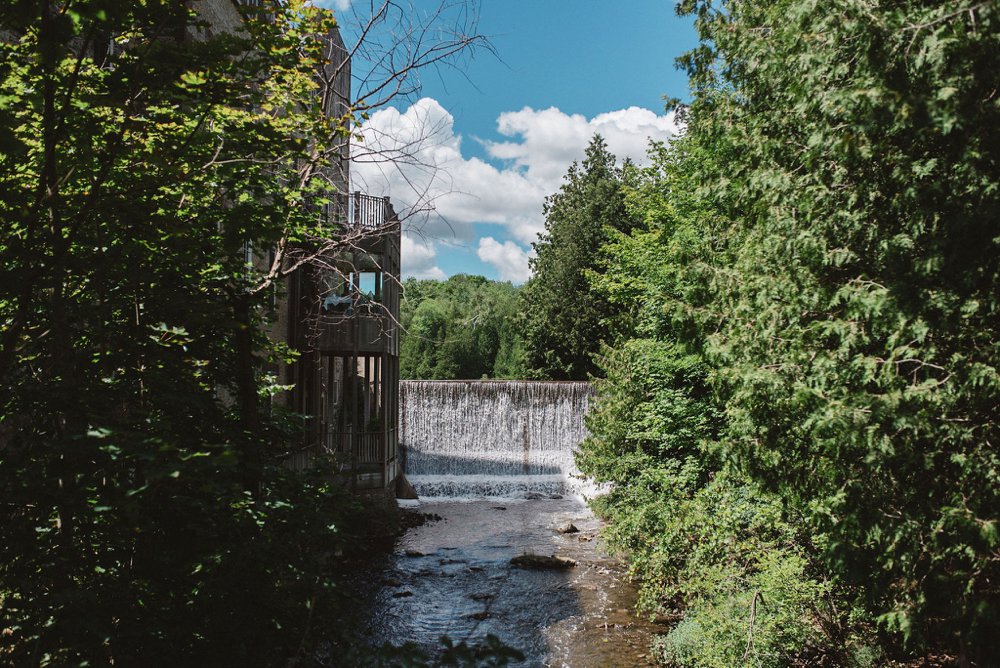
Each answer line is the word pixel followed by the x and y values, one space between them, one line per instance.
pixel 396 41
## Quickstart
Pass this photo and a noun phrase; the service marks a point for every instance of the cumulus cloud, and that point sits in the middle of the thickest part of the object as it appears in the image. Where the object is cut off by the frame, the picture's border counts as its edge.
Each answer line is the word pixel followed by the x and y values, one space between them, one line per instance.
pixel 546 141
pixel 416 157
pixel 413 156
pixel 509 259
pixel 418 258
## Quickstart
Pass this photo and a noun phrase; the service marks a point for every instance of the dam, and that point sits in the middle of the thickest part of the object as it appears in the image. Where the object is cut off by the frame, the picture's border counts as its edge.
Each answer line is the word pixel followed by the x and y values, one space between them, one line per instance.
pixel 492 439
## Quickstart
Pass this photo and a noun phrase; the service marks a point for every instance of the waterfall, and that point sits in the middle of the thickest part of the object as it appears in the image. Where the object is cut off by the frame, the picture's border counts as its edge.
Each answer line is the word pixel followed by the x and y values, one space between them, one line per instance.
pixel 506 439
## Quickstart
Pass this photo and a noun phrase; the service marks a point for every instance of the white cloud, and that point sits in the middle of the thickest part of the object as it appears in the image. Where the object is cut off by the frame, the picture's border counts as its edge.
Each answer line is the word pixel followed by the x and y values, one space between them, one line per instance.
pixel 546 141
pixel 509 259
pixel 412 156
pixel 416 157
pixel 418 256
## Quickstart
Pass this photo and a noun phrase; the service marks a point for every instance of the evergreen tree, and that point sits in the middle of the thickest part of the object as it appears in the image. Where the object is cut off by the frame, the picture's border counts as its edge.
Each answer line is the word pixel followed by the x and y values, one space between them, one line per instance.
pixel 836 288
pixel 564 321
pixel 696 532
pixel 858 340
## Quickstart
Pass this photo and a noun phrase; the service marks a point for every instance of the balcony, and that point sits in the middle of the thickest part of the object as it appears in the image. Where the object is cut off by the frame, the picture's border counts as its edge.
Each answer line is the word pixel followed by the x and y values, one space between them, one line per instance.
pixel 357 211
pixel 358 324
pixel 358 295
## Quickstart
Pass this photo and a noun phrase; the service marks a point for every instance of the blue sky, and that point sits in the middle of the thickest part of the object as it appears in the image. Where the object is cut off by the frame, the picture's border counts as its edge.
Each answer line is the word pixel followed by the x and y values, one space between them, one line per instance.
pixel 481 144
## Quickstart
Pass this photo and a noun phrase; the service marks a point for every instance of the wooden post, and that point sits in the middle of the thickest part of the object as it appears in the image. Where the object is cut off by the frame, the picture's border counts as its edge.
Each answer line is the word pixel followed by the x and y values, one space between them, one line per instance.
pixel 380 410
pixel 354 378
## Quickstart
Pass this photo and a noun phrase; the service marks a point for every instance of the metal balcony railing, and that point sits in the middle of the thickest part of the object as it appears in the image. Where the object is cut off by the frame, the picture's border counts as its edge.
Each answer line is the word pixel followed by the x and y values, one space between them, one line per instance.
pixel 356 210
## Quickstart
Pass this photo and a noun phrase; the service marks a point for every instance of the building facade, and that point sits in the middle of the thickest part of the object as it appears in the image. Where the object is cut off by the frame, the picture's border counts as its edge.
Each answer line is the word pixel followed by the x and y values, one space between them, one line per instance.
pixel 339 313
pixel 344 323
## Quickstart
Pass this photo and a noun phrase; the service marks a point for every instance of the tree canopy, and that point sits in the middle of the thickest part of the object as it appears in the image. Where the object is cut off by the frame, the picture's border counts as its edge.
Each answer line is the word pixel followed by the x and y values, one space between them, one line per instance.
pixel 144 153
pixel 564 321
pixel 805 407
pixel 462 328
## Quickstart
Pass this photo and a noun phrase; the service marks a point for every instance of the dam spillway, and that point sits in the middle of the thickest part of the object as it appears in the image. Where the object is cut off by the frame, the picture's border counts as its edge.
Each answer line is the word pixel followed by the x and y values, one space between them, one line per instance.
pixel 492 439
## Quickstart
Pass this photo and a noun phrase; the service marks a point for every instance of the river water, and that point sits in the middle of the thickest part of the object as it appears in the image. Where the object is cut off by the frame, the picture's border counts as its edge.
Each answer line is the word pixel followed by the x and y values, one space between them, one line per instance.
pixel 454 577
pixel 495 460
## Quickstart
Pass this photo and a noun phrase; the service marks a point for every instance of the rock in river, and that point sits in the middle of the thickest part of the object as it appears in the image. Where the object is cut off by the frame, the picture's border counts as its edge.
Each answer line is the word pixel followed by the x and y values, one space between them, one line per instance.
pixel 541 562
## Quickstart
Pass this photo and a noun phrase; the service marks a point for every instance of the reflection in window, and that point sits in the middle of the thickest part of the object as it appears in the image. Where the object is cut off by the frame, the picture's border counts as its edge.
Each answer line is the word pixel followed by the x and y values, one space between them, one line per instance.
pixel 342 294
pixel 336 294
pixel 369 285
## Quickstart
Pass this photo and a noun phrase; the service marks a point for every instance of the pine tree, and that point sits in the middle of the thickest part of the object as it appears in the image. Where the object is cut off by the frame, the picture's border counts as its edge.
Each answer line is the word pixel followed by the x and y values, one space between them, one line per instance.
pixel 565 322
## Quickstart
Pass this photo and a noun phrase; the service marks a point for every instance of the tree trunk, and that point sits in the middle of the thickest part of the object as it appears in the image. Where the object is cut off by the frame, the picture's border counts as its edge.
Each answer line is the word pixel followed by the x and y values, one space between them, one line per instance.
pixel 248 399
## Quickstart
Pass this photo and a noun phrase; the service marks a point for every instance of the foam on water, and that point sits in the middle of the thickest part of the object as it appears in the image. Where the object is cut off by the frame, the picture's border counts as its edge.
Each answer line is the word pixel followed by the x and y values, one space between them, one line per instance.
pixel 493 439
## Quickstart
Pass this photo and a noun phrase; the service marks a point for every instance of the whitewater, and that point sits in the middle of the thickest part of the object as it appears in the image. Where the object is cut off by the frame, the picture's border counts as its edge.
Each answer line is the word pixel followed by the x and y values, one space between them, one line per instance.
pixel 493 439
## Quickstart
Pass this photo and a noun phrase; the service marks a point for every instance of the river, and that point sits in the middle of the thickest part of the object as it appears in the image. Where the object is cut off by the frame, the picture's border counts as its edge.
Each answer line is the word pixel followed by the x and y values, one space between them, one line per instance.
pixel 454 577
pixel 495 461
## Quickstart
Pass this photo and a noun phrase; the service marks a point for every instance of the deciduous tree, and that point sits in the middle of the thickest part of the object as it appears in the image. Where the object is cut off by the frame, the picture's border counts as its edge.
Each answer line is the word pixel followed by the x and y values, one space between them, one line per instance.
pixel 144 154
pixel 462 328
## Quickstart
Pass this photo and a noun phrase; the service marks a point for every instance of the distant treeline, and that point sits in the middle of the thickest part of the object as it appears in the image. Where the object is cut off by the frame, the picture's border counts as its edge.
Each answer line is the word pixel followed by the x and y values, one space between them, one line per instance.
pixel 461 328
